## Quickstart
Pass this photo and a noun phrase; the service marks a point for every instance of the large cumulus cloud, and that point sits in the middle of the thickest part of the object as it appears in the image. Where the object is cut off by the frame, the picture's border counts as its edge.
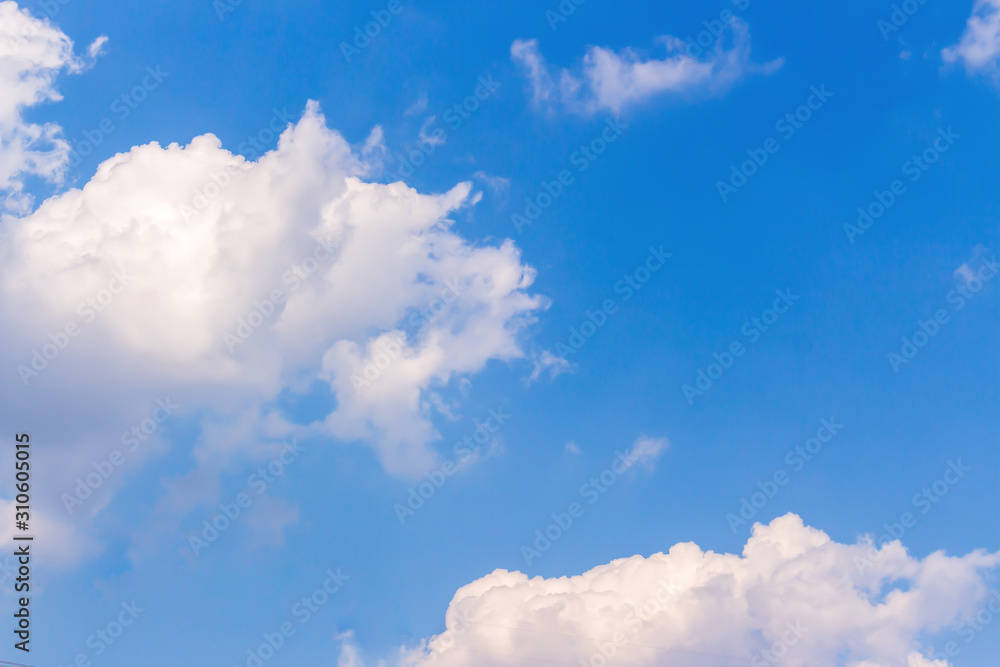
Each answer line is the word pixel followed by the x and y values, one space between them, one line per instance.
pixel 794 597
pixel 188 272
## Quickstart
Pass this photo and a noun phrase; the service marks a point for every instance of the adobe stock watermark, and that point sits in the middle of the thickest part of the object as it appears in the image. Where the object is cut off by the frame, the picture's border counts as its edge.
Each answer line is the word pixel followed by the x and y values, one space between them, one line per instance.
pixel 259 482
pixel 591 491
pixel 389 347
pixel 386 349
pixel 121 107
pixel 787 126
pixel 381 18
pixel 753 329
pixel 562 12
pixel 224 8
pixel 446 640
pixel 88 310
pixel 256 144
pixel 52 7
pixel 627 287
pixel 105 468
pixel 796 459
pixel 970 628
pixel 633 622
pixel 924 500
pixel 659 602
pixel 695 46
pixel 464 451
pixel 582 159
pixel 8 571
pixel 104 637
pixel 432 136
pixel 773 655
pixel 899 17
pixel 915 168
pixel 303 611
pixel 263 309
pixel 252 147
pixel 958 298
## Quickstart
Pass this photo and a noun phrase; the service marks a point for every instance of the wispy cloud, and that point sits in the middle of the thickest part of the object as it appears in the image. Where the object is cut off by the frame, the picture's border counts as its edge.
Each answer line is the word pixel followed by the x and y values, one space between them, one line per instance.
pixel 607 80
pixel 647 450
pixel 548 365
pixel 419 106
pixel 979 48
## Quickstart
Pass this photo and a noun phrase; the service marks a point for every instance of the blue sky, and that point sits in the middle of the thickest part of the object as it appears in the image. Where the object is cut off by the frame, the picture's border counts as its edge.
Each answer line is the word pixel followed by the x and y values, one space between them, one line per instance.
pixel 666 138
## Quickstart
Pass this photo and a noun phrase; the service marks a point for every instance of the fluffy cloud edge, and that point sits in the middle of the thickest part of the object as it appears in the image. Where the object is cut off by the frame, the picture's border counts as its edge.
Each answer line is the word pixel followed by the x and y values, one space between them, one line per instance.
pixel 34 53
pixel 381 299
pixel 978 50
pixel 611 81
pixel 793 597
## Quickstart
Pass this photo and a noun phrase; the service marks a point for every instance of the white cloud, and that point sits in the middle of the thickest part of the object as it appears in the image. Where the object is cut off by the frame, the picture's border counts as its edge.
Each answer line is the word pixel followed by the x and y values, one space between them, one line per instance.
pixel 32 54
pixel 498 184
pixel 432 138
pixel 199 240
pixel 526 54
pixel 350 654
pixel 417 107
pixel 386 260
pixel 548 365
pixel 646 450
pixel 49 526
pixel 793 591
pixel 609 80
pixel 96 48
pixel 373 149
pixel 967 272
pixel 979 48
pixel 267 523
